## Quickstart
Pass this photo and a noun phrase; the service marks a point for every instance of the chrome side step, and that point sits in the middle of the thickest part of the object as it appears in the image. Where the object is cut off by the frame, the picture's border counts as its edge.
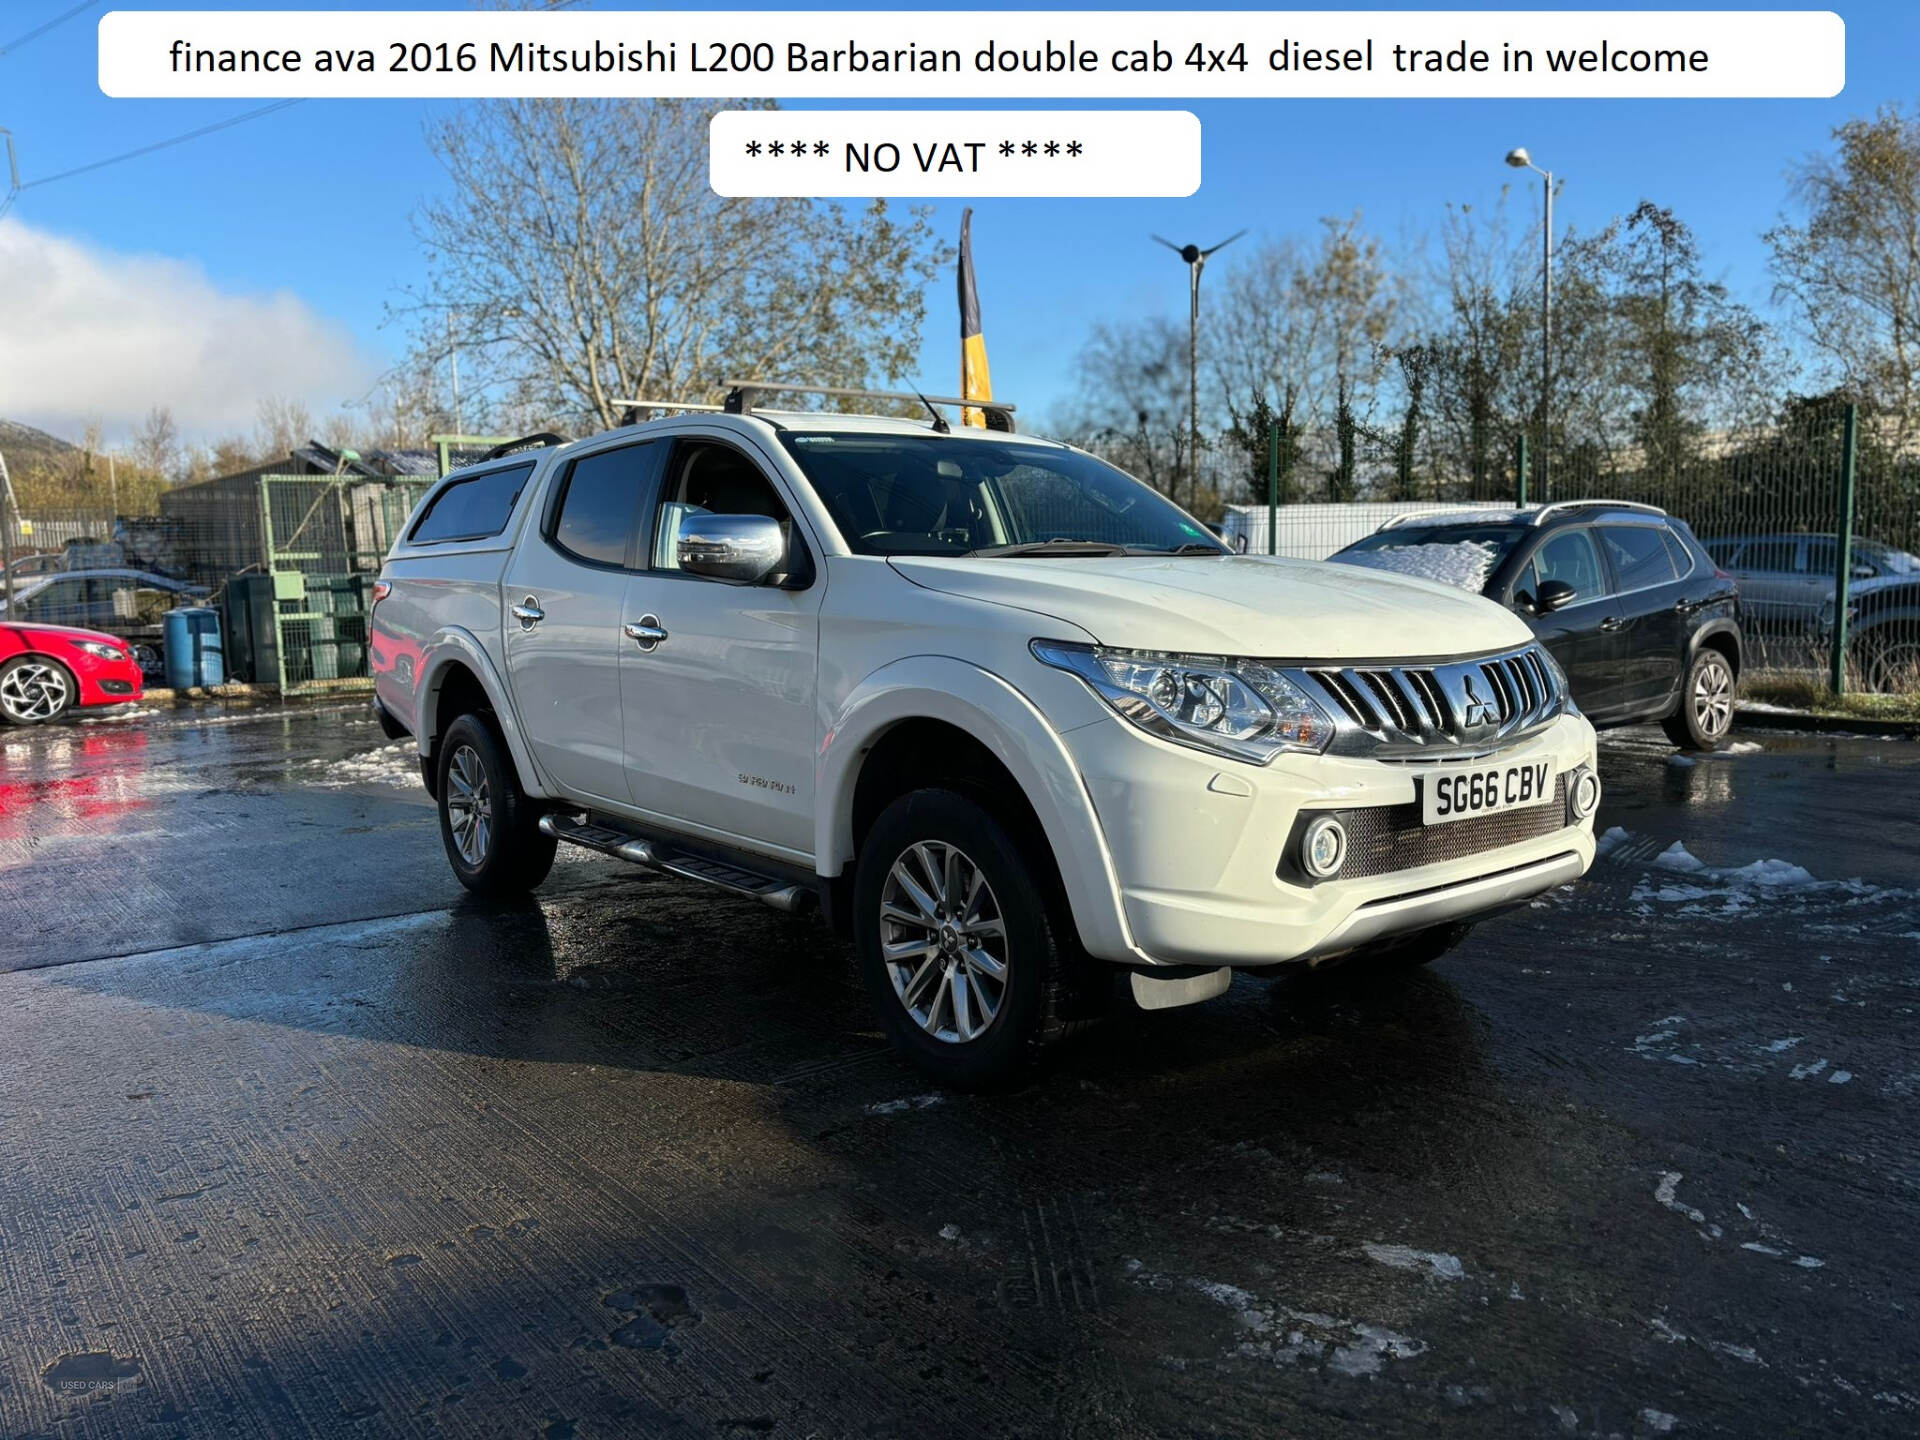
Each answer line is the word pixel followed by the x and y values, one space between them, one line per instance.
pixel 659 855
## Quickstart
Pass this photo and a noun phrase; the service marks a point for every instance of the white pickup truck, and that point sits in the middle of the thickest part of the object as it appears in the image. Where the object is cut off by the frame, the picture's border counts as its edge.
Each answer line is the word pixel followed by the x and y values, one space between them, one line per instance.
pixel 1005 715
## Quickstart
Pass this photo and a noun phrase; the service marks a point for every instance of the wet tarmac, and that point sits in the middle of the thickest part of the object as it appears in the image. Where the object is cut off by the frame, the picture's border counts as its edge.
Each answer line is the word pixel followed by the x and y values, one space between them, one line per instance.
pixel 294 1139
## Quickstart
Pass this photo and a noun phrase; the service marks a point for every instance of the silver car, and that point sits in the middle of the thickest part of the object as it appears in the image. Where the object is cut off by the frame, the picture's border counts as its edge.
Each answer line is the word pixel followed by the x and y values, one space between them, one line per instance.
pixel 1786 578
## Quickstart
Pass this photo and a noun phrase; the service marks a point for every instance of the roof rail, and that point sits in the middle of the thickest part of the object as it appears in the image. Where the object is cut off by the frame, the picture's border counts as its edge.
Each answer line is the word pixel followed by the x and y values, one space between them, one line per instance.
pixel 629 413
pixel 537 441
pixel 1464 512
pixel 1545 510
pixel 741 395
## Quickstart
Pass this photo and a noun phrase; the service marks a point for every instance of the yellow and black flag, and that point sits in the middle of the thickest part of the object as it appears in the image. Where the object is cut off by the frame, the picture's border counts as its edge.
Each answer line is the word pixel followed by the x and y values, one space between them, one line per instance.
pixel 975 384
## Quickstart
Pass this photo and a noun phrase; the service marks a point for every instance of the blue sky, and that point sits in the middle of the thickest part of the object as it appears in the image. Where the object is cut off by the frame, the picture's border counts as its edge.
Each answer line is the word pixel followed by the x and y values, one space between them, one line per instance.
pixel 306 213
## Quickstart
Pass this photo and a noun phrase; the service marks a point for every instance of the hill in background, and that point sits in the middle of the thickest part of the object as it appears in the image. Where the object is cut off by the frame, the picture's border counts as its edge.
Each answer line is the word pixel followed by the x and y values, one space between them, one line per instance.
pixel 27 449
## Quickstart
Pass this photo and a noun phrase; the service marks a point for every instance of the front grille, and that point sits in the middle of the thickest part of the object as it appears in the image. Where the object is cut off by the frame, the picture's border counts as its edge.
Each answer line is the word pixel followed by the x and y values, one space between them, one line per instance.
pixel 1446 707
pixel 1386 839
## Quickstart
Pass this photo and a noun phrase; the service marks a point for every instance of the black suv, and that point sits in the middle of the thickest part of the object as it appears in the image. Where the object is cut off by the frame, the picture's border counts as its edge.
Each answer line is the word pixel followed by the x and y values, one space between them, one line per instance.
pixel 1646 626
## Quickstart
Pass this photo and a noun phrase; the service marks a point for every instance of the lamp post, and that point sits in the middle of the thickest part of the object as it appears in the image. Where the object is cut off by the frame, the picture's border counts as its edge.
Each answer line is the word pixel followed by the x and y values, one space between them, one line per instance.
pixel 1521 160
pixel 1196 259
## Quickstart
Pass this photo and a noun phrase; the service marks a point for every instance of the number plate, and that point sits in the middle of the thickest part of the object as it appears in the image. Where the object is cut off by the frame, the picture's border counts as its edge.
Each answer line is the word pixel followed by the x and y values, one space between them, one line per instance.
pixel 1485 790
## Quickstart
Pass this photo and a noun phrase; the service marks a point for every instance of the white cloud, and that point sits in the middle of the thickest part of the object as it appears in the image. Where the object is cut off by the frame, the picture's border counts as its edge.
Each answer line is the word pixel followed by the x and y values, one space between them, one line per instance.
pixel 93 333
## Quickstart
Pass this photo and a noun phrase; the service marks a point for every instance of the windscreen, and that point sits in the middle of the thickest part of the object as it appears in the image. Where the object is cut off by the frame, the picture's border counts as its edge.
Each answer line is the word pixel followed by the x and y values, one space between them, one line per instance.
pixel 1464 556
pixel 935 495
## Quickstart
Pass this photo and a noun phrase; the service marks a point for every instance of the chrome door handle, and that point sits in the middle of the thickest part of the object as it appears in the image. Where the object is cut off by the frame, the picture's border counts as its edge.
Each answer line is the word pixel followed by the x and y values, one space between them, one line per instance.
pixel 647 632
pixel 528 613
pixel 1613 622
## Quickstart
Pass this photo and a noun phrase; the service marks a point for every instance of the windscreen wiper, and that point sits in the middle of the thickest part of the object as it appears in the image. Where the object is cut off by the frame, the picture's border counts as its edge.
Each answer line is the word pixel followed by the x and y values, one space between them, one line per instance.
pixel 1191 547
pixel 1053 547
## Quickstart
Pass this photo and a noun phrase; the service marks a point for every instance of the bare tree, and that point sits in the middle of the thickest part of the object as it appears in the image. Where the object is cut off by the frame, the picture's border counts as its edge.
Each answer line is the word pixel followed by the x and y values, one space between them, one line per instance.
pixel 1132 402
pixel 1480 344
pixel 281 424
pixel 584 259
pixel 156 443
pixel 1851 271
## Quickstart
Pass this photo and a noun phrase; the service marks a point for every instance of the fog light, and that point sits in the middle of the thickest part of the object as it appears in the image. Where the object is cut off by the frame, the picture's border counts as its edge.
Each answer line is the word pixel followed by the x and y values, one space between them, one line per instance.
pixel 1586 795
pixel 1323 848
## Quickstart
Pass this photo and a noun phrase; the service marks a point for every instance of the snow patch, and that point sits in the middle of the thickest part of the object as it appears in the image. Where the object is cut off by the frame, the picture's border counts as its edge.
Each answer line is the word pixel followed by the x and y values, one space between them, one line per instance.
pixel 389 765
pixel 1666 1193
pixel 1355 1348
pixel 911 1102
pixel 1464 564
pixel 1405 1257
pixel 1659 1421
pixel 1615 837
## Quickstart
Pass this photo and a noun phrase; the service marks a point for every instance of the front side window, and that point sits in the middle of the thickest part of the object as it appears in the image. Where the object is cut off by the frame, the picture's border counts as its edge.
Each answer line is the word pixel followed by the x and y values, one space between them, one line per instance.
pixel 1639 555
pixel 938 495
pixel 472 509
pixel 1570 558
pixel 601 501
pixel 715 479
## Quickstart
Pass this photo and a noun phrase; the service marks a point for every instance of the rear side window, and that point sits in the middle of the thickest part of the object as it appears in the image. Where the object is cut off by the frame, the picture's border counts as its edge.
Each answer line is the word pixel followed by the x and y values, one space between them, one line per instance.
pixel 1639 555
pixel 1683 561
pixel 1769 556
pixel 601 501
pixel 472 509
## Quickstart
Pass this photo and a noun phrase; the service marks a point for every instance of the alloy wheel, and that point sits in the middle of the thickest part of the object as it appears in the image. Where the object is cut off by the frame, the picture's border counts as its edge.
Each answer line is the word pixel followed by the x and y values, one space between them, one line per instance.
pixel 943 939
pixel 469 805
pixel 1713 698
pixel 34 692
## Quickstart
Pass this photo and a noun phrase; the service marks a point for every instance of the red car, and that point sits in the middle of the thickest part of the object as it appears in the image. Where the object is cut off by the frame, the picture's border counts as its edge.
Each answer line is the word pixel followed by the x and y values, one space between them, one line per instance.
pixel 46 670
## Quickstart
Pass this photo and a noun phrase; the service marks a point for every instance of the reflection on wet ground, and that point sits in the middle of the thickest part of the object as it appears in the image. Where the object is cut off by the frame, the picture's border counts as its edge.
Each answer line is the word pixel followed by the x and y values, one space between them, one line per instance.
pixel 309 1141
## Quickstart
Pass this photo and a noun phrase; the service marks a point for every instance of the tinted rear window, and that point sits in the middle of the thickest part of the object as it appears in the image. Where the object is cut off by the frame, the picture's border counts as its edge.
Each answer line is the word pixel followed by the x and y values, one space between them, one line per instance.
pixel 1639 555
pixel 472 509
pixel 601 502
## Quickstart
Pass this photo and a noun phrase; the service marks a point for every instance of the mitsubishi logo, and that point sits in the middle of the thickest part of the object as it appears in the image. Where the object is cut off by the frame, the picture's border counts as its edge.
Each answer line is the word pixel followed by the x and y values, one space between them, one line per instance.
pixel 1479 711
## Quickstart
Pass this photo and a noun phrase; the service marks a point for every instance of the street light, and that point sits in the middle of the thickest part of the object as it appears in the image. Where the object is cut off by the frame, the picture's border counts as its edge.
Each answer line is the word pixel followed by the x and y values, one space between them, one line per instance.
pixel 1196 259
pixel 1521 160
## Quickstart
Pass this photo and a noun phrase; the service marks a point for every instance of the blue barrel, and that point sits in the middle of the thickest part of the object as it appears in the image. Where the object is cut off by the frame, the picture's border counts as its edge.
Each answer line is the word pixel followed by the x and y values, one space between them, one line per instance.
pixel 194 656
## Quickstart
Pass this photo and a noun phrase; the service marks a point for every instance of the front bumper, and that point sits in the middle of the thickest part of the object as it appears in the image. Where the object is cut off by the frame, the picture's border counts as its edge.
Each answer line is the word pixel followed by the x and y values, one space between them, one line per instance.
pixel 1199 848
pixel 106 682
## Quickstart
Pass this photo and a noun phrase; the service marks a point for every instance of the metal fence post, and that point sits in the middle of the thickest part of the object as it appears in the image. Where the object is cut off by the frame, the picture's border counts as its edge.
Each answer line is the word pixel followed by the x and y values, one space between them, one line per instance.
pixel 9 515
pixel 1273 488
pixel 1843 549
pixel 1520 469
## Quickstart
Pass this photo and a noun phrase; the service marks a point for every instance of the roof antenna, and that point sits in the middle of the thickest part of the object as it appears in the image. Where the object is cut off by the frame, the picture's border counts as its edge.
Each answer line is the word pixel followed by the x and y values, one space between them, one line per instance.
pixel 940 426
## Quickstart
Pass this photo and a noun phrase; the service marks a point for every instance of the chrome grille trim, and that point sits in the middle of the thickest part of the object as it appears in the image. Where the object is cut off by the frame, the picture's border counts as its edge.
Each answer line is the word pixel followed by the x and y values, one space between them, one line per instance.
pixel 1433 710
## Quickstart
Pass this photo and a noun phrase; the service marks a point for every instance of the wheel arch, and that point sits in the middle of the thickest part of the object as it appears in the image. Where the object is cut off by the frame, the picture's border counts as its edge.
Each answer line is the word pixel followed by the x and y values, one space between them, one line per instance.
pixel 872 754
pixel 458 678
pixel 1721 635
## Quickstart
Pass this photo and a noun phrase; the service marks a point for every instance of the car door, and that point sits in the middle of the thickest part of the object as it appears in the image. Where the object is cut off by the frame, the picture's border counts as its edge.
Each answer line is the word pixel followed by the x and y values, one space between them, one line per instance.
pixel 720 714
pixel 1647 612
pixel 1573 634
pixel 1764 569
pixel 564 600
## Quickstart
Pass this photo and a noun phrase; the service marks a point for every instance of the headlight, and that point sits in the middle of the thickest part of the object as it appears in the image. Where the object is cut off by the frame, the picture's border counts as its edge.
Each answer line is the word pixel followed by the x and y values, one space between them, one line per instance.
pixel 100 648
pixel 1238 708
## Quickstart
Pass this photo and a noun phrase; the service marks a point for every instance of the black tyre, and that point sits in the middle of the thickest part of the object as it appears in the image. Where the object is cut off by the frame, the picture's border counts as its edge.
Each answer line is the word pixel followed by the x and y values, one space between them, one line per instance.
pixel 960 950
pixel 34 690
pixel 1706 703
pixel 1887 658
pixel 490 828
